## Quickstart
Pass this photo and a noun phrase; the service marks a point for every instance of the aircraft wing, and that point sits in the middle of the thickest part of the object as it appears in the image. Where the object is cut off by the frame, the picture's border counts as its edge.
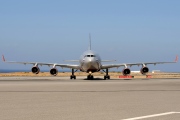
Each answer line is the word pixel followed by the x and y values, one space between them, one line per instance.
pixel 134 64
pixel 48 64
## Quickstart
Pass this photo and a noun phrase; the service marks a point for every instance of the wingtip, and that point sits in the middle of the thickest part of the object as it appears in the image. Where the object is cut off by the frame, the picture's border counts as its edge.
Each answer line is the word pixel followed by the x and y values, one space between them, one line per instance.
pixel 176 60
pixel 3 59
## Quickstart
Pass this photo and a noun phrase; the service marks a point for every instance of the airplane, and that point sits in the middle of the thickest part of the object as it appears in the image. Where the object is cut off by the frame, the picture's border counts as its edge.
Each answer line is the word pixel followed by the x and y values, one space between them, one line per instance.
pixel 90 62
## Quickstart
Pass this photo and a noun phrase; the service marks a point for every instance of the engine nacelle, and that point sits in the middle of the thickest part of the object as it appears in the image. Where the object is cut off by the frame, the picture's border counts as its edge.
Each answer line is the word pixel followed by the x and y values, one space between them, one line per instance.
pixel 126 71
pixel 35 70
pixel 54 71
pixel 144 70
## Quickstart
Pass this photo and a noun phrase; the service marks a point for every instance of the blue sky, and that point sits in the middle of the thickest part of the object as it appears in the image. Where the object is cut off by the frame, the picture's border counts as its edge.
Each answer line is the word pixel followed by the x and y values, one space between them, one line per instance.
pixel 125 30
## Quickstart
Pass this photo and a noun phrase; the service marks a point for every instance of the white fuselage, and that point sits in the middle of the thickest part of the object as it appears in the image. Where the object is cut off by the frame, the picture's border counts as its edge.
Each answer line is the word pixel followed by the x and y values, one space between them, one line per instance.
pixel 90 62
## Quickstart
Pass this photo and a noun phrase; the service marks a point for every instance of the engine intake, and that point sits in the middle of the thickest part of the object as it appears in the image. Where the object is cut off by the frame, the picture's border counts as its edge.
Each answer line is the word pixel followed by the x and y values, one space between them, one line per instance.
pixel 144 70
pixel 54 71
pixel 126 71
pixel 35 70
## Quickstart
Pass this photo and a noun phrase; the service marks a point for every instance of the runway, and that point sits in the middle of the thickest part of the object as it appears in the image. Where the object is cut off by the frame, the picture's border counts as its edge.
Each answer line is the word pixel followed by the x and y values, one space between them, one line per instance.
pixel 58 98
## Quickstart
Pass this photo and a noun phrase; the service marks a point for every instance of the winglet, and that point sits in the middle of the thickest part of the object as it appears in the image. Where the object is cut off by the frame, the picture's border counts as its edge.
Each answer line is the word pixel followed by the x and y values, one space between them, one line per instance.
pixel 176 60
pixel 3 59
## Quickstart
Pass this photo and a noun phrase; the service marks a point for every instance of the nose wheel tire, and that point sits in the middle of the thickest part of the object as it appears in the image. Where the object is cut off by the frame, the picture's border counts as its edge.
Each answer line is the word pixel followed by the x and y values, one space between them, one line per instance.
pixel 90 77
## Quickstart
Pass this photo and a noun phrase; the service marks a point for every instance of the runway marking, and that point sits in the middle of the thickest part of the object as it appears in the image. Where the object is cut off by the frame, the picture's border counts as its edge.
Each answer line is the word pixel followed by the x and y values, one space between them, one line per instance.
pixel 150 116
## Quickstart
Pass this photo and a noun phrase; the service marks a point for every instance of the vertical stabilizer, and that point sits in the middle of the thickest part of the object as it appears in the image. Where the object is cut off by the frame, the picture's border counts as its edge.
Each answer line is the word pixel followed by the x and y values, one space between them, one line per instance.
pixel 89 41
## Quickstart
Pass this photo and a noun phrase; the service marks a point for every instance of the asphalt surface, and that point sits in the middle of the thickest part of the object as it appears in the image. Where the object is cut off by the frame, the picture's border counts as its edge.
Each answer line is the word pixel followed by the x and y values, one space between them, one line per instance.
pixel 58 98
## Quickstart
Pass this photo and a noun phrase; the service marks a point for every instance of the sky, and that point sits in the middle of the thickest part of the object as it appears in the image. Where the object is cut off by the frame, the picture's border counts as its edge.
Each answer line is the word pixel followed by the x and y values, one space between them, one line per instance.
pixel 128 31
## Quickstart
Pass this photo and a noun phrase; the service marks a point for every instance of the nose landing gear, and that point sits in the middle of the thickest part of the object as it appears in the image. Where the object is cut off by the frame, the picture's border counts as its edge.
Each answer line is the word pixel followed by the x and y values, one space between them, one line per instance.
pixel 90 76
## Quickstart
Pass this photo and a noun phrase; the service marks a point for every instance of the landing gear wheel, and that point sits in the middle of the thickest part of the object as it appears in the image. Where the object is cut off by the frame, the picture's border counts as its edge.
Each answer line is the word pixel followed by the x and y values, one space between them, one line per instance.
pixel 72 77
pixel 90 77
pixel 106 77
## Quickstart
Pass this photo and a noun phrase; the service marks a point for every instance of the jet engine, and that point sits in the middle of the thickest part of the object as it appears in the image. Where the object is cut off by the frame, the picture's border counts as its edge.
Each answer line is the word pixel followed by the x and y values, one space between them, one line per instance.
pixel 54 71
pixel 35 70
pixel 144 70
pixel 126 71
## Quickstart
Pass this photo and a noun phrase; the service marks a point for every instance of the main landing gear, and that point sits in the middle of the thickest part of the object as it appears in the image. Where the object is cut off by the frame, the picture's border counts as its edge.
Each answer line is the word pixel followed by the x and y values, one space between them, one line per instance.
pixel 106 76
pixel 73 76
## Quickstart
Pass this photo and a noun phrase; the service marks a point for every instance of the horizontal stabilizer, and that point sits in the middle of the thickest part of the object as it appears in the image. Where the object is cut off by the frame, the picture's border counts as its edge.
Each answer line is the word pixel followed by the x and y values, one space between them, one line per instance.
pixel 71 60
pixel 108 60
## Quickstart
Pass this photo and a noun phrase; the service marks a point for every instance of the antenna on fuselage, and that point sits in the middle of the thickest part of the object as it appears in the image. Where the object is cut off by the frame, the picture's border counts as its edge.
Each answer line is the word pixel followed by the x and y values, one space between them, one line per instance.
pixel 89 41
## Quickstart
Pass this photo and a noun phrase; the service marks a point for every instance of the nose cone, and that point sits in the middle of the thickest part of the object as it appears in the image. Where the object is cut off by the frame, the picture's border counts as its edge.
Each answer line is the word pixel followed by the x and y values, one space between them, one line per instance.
pixel 87 60
pixel 92 63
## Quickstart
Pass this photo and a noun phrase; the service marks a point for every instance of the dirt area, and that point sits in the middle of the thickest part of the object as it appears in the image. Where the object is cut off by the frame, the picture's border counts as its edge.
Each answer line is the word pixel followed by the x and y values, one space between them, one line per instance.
pixel 112 74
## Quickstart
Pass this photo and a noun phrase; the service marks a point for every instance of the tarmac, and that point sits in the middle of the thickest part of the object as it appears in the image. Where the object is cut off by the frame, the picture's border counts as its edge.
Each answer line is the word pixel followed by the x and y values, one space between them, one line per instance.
pixel 59 98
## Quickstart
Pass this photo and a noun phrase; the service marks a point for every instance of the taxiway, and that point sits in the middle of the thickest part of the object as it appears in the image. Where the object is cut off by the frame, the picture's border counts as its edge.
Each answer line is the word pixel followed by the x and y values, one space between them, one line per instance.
pixel 45 98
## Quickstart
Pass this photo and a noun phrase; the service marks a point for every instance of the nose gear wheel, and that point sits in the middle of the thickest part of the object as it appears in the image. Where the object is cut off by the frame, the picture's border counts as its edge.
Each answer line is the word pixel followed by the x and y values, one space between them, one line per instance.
pixel 90 77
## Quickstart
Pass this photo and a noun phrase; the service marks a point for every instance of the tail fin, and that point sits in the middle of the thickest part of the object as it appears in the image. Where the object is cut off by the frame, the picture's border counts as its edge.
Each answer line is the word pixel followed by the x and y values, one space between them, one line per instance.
pixel 89 41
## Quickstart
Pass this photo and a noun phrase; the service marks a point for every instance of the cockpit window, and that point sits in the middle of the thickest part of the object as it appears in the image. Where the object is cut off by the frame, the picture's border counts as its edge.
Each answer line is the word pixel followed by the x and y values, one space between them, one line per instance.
pixel 93 56
pixel 89 56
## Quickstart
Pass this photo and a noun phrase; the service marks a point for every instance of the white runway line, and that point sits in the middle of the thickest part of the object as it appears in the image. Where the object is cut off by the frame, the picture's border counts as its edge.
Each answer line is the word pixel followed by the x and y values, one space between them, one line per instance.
pixel 149 116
